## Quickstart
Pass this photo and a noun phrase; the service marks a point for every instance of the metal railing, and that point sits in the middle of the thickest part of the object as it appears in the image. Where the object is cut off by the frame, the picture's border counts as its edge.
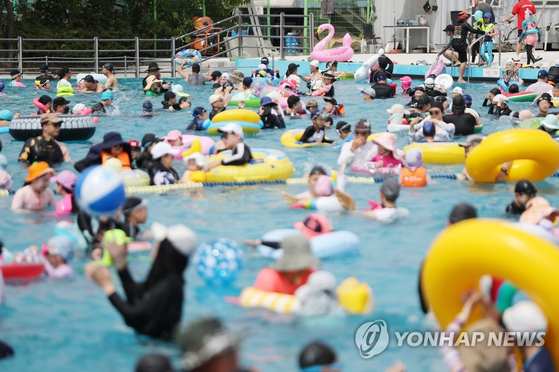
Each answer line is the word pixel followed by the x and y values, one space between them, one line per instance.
pixel 235 38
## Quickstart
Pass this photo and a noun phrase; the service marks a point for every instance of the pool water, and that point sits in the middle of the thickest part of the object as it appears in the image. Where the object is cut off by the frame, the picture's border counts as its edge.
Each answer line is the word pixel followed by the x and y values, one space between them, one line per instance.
pixel 70 325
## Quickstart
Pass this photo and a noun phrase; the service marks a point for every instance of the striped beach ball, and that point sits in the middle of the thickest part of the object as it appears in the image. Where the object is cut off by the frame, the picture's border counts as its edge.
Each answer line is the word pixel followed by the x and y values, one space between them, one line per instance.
pixel 100 191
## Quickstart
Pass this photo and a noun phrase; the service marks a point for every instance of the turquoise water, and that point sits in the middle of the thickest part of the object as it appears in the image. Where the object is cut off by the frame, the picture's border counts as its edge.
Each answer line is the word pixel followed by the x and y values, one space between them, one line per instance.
pixel 70 325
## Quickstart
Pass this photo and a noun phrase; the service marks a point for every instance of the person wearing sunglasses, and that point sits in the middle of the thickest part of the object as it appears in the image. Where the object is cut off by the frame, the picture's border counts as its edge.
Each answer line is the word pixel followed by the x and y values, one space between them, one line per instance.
pixel 45 147
pixel 358 151
pixel 232 137
pixel 432 128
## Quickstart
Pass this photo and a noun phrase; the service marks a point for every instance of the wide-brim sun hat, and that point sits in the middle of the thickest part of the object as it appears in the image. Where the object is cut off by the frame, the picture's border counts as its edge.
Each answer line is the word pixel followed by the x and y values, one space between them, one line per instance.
pixel 388 141
pixel 550 122
pixel 297 255
pixel 525 316
pixel 150 81
pixel 37 170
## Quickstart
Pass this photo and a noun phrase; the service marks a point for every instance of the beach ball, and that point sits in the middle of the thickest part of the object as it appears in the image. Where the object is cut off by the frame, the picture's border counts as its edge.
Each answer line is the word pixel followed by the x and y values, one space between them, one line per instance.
pixel 219 261
pixel 100 191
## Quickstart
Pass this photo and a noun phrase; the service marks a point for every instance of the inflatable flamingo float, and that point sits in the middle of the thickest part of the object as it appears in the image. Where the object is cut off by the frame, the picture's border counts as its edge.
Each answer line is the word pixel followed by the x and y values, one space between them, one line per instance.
pixel 341 54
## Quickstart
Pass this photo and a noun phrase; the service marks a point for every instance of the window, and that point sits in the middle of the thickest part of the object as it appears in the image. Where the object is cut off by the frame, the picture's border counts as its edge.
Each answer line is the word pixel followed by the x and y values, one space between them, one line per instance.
pixel 550 3
pixel 495 3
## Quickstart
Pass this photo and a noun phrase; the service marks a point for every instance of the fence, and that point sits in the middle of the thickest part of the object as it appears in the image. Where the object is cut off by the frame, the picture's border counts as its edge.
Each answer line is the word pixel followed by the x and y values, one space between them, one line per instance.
pixel 240 36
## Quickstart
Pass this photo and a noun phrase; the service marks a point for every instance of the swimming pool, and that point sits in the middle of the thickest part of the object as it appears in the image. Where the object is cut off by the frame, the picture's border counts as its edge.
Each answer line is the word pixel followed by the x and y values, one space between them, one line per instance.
pixel 59 325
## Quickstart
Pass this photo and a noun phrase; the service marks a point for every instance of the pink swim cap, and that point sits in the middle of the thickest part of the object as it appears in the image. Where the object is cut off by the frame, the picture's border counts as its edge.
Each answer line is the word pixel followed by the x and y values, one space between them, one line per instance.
pixel 323 186
pixel 406 81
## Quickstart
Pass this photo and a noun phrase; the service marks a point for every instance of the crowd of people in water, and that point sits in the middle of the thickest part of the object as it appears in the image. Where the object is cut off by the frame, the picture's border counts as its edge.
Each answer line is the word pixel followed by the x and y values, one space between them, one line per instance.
pixel 154 307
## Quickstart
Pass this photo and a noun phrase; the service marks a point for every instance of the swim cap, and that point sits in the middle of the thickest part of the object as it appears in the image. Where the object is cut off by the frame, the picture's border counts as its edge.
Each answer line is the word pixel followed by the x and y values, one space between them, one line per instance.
pixel 468 99
pixel 317 169
pixel 390 189
pixel 315 224
pixel 78 108
pixel 147 106
pixel 414 159
pixel 106 96
pixel 62 246
pixel 488 15
pixel 6 115
pixel 323 186
pixel 154 362
pixel 429 129
pixel 461 212
pixel 429 82
pixel 525 187
pixel 1 85
pixel 316 354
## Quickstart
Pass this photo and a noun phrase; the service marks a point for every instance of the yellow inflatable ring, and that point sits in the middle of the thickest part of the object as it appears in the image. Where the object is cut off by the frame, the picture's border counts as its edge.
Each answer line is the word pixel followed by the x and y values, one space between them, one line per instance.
pixel 269 165
pixel 374 136
pixel 278 302
pixel 248 116
pixel 439 152
pixel 291 139
pixel 135 178
pixel 535 155
pixel 470 249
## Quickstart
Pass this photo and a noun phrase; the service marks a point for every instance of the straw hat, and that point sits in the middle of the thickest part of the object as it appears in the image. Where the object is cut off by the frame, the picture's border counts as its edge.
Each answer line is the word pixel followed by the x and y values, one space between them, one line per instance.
pixel 238 75
pixel 151 81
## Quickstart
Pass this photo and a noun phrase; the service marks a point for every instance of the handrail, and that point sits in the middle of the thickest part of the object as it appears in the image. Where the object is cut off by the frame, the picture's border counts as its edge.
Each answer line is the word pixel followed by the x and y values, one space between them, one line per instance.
pixel 470 53
pixel 207 27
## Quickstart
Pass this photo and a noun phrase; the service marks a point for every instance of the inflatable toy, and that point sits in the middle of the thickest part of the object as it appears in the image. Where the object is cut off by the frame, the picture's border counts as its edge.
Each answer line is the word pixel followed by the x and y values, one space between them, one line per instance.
pixel 100 191
pixel 219 261
pixel 291 138
pixel 39 105
pixel 341 54
pixel 179 90
pixel 444 79
pixel 65 91
pixel 188 57
pixel 440 152
pixel 277 302
pixel 247 119
pixel 533 123
pixel 267 165
pixel 534 153
pixel 497 249
pixel 521 96
pixel 22 271
pixel 325 245
pixel 74 128
pixel 436 68
pixel 247 97
pixel 356 297
pixel 135 178
pixel 99 77
pixel 478 128
pixel 345 75
pixel 192 144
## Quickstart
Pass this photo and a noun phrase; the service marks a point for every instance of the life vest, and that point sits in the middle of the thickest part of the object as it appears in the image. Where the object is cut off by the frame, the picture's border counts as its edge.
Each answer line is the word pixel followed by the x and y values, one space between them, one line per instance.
pixel 122 157
pixel 417 178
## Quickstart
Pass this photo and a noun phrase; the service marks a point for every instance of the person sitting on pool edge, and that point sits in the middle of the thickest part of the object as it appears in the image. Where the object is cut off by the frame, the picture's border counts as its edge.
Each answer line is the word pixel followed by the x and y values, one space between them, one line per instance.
pixel 524 191
pixel 316 132
pixel 332 108
pixel 270 120
pixel 135 213
pixel 35 194
pixel 381 87
pixel 113 146
pixel 161 171
pixel 200 116
pixel 169 99
pixel 385 211
pixel 106 101
pixel 292 270
pixel 232 137
pixel 45 147
pixel 154 307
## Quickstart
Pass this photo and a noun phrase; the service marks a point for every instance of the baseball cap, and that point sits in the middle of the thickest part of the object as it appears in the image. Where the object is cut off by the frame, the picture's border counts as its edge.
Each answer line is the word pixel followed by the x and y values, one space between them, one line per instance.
pixel 50 118
pixel 370 91
pixel 264 60
pixel 174 135
pixel 449 28
pixel 473 139
pixel 363 125
pixel 312 103
pixel 525 187
pixel 150 138
pixel 162 149
pixel 66 179
pixel 147 106
pixel 457 90
pixel 14 74
pixel 59 101
pixel 429 82
pixel 62 246
pixel 315 63
pixel 107 95
pixel 109 66
pixel 198 111
pixel 332 100
pixel 169 95
pixel 44 68
pixel 132 203
pixel 381 76
pixel 542 74
pixel 292 66
pixel 89 79
pixel 232 128
pixel 390 189
pixel 134 144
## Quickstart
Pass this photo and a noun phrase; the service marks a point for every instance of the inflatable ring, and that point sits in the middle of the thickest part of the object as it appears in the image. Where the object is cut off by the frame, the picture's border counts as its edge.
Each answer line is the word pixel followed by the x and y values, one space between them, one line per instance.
pixel 187 56
pixel 521 96
pixel 533 123
pixel 439 152
pixel 444 79
pixel 74 128
pixel 497 249
pixel 278 302
pixel 22 271
pixel 40 105
pixel 247 119
pixel 99 77
pixel 248 128
pixel 534 152
pixel 478 128
pixel 65 91
pixel 247 97
pixel 135 178
pixel 268 165
pixel 291 139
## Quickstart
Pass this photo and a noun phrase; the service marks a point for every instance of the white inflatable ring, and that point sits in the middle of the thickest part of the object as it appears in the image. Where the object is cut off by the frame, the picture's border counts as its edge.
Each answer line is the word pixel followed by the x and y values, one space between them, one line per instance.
pixel 446 80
